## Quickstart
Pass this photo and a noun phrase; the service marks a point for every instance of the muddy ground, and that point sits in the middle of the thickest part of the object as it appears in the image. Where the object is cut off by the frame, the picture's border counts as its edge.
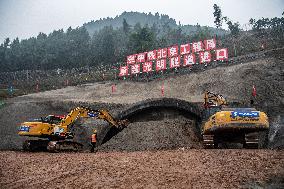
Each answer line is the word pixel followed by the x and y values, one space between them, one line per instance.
pixel 159 169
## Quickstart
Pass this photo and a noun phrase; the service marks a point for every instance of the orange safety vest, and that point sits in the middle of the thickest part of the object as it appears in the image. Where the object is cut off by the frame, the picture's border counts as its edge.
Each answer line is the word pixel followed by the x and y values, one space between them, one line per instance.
pixel 94 138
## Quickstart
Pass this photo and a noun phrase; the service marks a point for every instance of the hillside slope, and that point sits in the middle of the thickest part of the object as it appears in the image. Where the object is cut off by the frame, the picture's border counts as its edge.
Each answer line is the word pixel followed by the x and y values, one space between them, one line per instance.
pixel 132 18
pixel 234 82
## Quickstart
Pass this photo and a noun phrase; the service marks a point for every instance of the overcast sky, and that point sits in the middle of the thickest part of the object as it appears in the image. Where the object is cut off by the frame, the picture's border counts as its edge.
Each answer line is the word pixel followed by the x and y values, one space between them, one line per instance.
pixel 26 18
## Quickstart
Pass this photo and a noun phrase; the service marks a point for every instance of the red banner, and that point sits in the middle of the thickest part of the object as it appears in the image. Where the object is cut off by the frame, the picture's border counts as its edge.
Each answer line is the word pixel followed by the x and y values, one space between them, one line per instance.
pixel 189 60
pixel 185 49
pixel 161 64
pixel 151 55
pixel 147 67
pixel 175 62
pixel 173 51
pixel 162 53
pixel 173 54
pixel 210 44
pixel 131 59
pixel 222 54
pixel 123 71
pixel 197 46
pixel 141 57
pixel 204 57
pixel 135 69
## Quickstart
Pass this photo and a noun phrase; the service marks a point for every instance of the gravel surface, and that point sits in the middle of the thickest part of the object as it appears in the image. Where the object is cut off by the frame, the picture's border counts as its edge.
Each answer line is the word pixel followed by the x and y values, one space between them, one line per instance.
pixel 160 169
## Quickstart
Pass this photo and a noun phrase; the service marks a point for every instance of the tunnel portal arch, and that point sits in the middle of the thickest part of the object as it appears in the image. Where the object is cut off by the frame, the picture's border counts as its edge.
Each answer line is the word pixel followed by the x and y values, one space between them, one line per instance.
pixel 155 108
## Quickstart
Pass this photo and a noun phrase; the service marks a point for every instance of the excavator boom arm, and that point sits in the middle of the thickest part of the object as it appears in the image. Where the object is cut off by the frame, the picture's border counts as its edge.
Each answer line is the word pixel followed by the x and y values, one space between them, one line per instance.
pixel 212 99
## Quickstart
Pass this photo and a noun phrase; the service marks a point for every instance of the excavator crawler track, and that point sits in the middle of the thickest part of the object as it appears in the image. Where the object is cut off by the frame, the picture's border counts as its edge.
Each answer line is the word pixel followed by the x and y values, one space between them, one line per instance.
pixel 251 140
pixel 208 141
pixel 35 145
pixel 63 146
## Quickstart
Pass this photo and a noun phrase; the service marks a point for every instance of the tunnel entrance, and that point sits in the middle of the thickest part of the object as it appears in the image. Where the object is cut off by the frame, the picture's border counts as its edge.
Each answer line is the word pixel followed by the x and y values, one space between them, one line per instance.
pixel 156 124
pixel 158 114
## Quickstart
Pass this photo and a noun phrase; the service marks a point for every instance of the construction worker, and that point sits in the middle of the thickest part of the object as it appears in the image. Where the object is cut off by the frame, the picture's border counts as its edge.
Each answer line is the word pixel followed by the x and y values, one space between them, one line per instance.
pixel 94 140
pixel 253 98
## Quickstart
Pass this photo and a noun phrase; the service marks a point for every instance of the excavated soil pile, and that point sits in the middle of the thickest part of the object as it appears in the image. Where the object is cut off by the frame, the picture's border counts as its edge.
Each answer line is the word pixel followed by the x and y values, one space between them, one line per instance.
pixel 154 135
pixel 159 169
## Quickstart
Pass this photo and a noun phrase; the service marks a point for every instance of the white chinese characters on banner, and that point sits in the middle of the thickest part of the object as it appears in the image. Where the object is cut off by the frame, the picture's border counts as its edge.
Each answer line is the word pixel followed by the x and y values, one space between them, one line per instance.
pixel 151 55
pixel 162 53
pixel 185 49
pixel 205 57
pixel 175 62
pixel 222 54
pixel 173 51
pixel 135 69
pixel 123 71
pixel 197 46
pixel 189 60
pixel 173 54
pixel 131 59
pixel 210 44
pixel 161 64
pixel 147 67
pixel 141 57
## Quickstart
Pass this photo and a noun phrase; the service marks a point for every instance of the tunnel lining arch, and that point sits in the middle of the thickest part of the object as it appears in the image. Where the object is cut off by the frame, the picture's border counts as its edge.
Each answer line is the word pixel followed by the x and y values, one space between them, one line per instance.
pixel 192 109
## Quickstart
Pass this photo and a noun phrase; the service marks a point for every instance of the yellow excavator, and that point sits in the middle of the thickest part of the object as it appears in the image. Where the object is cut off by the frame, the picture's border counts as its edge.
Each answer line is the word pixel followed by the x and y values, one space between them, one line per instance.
pixel 52 132
pixel 224 126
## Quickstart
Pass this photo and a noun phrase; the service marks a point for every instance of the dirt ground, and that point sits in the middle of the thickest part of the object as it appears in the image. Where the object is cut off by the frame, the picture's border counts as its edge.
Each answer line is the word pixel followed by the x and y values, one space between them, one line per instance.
pixel 159 169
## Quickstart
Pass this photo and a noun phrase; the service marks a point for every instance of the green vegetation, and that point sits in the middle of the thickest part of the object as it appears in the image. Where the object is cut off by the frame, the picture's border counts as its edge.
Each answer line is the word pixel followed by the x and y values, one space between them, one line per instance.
pixel 103 42
pixel 107 42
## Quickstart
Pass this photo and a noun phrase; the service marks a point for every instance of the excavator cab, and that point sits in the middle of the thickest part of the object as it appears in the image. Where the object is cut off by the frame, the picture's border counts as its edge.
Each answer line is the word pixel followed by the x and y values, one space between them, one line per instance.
pixel 52 119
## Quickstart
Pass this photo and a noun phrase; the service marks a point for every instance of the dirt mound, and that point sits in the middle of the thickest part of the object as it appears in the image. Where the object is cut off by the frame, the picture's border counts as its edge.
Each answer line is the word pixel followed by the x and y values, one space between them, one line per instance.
pixel 154 135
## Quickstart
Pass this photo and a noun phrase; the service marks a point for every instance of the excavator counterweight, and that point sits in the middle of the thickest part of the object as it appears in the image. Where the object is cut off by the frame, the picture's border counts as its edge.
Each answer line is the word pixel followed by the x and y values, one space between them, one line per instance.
pixel 224 126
